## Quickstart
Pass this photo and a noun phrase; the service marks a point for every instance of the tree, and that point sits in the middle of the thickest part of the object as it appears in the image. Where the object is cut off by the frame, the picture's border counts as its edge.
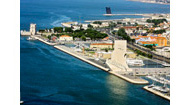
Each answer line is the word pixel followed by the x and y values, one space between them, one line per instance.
pixel 83 38
pixel 133 40
pixel 41 31
pixel 159 31
pixel 136 24
pixel 58 29
pixel 156 21
pixel 129 23
pixel 121 32
pixel 90 26
pixel 49 37
pixel 111 25
pixel 97 22
pixel 106 50
pixel 68 29
pixel 119 22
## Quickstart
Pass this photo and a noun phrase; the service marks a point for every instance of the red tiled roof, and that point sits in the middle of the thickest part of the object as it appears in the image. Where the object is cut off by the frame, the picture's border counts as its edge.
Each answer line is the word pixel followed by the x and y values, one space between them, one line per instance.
pixel 65 36
pixel 106 38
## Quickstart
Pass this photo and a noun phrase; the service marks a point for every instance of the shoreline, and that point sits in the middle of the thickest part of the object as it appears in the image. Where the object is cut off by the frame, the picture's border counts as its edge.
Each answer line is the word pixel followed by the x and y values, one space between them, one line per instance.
pixel 66 50
pixel 140 82
pixel 149 2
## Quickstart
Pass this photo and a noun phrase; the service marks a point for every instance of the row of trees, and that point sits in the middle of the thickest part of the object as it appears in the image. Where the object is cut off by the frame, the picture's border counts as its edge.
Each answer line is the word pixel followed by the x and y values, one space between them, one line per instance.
pixel 152 47
pixel 92 34
pixel 159 31
pixel 97 22
pixel 143 54
pixel 156 21
pixel 121 32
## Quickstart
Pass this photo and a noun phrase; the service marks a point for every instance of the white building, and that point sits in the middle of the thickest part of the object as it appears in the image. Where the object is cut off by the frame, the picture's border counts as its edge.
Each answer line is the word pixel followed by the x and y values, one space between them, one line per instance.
pixel 76 27
pixel 85 26
pixel 65 38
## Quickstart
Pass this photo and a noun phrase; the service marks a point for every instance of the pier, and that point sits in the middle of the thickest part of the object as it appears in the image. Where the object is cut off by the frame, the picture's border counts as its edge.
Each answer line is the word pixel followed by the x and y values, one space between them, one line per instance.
pixel 157 93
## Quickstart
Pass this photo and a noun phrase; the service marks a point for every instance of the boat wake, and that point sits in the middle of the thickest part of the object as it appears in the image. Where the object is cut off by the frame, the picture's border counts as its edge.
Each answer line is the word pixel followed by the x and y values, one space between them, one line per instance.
pixel 59 19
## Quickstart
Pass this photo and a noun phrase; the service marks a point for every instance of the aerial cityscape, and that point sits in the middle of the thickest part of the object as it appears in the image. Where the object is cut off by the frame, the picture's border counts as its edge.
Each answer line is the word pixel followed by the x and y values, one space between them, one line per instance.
pixel 95 52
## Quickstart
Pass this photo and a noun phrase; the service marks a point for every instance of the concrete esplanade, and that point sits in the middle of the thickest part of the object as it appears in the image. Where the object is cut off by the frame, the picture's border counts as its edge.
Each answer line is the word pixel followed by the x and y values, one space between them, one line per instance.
pixel 118 65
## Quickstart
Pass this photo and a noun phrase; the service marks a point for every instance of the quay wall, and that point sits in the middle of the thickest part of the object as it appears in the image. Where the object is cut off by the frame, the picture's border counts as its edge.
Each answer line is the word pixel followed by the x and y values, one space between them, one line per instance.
pixel 66 50
pixel 137 81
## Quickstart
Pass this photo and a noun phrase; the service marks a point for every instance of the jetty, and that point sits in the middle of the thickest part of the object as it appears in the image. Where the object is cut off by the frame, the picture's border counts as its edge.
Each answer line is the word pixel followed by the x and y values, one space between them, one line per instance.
pixel 157 93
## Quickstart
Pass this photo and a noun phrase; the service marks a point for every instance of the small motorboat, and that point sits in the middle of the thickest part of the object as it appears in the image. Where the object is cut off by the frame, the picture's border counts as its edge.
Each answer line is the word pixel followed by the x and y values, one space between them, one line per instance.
pixel 21 102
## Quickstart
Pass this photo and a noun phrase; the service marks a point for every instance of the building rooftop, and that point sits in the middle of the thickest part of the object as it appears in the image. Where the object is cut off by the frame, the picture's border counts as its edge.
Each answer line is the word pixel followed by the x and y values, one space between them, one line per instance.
pixel 65 36
pixel 147 42
pixel 129 27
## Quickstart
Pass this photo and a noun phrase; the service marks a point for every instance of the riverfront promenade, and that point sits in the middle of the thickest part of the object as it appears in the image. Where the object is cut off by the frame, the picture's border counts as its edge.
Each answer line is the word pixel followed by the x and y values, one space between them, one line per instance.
pixel 131 79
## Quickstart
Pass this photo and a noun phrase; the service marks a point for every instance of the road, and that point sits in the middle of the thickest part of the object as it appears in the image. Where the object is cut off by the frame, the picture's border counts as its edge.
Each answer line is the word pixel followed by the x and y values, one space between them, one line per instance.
pixel 134 46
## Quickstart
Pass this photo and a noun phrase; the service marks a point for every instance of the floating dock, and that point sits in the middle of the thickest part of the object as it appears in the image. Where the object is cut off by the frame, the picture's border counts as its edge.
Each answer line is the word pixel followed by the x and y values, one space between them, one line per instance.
pixel 157 93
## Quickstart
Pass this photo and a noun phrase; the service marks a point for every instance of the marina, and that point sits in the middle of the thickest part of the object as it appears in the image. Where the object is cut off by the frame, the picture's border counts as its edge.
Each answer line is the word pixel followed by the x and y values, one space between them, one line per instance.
pixel 159 79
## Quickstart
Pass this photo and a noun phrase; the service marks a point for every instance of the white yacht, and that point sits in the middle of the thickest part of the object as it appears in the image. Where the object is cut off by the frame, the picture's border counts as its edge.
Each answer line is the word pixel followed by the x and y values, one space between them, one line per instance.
pixel 166 64
pixel 163 89
pixel 135 62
